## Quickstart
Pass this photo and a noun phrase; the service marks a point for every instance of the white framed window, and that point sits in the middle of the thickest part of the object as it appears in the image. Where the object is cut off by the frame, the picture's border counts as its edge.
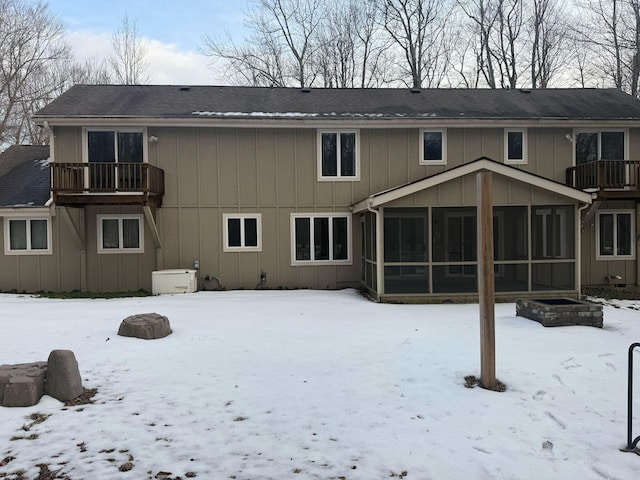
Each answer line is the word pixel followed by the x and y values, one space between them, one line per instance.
pixel 120 234
pixel 338 155
pixel 615 237
pixel 515 146
pixel 27 236
pixel 242 232
pixel 320 238
pixel 433 147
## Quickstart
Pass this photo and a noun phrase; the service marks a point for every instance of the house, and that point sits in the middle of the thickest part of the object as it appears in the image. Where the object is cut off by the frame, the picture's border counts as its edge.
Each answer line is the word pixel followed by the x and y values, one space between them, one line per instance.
pixel 329 188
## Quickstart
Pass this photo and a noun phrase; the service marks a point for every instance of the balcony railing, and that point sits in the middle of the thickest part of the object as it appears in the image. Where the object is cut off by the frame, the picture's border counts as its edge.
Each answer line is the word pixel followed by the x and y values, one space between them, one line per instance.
pixel 139 181
pixel 610 178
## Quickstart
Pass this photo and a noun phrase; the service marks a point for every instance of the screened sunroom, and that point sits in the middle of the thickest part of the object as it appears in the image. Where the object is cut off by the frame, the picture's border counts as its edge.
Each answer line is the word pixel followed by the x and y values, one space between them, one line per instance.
pixel 415 248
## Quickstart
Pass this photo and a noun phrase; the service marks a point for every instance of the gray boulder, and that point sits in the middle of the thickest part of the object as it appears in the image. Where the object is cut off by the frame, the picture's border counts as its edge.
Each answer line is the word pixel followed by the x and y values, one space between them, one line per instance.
pixel 22 385
pixel 63 376
pixel 147 326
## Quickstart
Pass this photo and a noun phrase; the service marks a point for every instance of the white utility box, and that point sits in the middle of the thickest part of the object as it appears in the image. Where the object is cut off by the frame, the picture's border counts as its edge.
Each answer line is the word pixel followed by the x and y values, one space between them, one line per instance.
pixel 174 281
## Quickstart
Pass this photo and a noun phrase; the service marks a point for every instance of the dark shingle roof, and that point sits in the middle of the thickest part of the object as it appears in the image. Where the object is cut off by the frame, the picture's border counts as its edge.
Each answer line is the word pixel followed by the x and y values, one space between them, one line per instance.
pixel 24 176
pixel 155 101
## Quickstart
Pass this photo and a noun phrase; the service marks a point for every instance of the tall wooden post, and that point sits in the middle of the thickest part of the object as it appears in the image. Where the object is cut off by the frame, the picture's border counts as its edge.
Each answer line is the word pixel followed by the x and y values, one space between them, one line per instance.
pixel 486 289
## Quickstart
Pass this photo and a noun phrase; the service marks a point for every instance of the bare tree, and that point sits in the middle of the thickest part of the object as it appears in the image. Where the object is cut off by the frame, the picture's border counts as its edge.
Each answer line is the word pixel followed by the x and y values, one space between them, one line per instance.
pixel 128 61
pixel 507 41
pixel 632 40
pixel 352 46
pixel 483 15
pixel 610 31
pixel 31 48
pixel 284 38
pixel 417 27
pixel 549 41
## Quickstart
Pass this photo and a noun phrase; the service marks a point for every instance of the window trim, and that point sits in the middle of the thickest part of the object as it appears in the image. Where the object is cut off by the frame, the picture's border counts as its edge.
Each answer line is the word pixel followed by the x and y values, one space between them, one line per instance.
pixel 519 161
pixel 331 216
pixel 121 249
pixel 29 250
pixel 85 140
pixel 443 160
pixel 338 177
pixel 225 228
pixel 632 214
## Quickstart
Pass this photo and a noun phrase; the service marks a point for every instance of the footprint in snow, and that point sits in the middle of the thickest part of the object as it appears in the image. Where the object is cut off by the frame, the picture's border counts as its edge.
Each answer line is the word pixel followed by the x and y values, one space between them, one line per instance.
pixel 539 395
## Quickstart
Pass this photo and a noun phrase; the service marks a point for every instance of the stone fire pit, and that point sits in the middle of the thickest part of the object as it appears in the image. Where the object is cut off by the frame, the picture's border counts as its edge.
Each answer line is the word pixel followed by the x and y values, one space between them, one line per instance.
pixel 560 312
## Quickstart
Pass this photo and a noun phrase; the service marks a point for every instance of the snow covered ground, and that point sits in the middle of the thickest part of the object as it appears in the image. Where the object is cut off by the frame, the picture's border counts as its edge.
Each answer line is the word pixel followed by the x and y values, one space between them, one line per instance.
pixel 328 385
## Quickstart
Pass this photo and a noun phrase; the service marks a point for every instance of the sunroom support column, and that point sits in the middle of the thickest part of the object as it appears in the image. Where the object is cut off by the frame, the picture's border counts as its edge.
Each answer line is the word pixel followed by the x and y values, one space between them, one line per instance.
pixel 486 287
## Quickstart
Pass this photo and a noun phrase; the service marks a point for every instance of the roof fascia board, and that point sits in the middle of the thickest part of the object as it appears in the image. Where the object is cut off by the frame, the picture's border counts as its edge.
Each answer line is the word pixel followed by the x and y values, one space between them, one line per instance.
pixel 329 123
pixel 385 197
pixel 24 211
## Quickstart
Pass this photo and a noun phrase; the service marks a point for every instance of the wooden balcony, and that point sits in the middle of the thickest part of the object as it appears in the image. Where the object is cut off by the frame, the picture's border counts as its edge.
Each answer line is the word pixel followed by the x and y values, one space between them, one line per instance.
pixel 79 184
pixel 609 179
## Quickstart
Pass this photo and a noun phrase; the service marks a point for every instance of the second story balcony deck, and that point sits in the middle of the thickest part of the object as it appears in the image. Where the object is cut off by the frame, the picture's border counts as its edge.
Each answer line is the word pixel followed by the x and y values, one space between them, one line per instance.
pixel 102 183
pixel 608 179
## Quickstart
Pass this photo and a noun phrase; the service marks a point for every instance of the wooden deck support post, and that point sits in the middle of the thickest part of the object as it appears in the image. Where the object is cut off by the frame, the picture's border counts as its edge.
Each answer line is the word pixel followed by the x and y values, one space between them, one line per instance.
pixel 486 288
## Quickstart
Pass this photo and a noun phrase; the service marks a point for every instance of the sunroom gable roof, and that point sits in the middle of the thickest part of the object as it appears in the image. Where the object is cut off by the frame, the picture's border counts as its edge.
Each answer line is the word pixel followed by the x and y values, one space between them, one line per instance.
pixel 481 164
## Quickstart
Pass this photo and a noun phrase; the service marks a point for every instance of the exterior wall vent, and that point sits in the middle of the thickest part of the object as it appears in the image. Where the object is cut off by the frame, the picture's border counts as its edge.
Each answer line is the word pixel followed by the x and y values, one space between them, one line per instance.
pixel 415 90
pixel 306 90
pixel 174 281
pixel 185 89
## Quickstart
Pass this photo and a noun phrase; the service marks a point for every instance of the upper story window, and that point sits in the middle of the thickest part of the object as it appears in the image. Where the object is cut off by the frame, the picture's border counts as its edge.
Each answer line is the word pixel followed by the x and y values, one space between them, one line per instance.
pixel 320 238
pixel 120 234
pixel 242 232
pixel 109 145
pixel 616 234
pixel 600 145
pixel 338 156
pixel 433 147
pixel 515 146
pixel 27 236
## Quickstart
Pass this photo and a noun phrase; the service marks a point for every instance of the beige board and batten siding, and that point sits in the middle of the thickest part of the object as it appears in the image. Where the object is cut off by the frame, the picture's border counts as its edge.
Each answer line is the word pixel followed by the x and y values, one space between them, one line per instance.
pixel 271 172
pixel 117 272
pixel 58 271
pixel 213 171
pixel 595 271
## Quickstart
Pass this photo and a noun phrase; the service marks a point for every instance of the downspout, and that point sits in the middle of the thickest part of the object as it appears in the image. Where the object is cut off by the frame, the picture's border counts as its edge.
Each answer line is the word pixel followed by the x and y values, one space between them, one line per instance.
pixel 379 249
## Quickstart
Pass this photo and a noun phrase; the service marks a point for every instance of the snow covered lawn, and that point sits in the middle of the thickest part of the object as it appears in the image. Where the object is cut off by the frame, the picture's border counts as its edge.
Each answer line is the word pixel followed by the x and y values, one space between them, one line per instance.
pixel 328 385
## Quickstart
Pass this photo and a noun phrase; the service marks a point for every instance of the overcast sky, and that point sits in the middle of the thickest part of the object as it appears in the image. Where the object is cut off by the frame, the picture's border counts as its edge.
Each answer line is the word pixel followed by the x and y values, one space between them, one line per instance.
pixel 172 30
